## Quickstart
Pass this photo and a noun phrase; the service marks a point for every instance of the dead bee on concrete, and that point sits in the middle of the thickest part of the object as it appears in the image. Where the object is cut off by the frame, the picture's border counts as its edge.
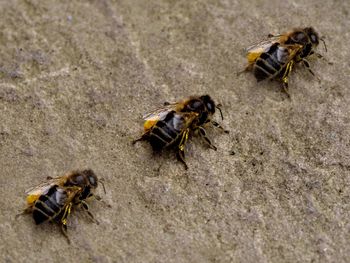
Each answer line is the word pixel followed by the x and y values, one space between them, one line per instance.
pixel 54 199
pixel 170 125
pixel 276 57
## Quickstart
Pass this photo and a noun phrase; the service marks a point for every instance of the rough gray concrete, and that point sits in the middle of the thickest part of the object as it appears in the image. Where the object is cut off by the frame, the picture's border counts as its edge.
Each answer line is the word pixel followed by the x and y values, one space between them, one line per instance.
pixel 75 79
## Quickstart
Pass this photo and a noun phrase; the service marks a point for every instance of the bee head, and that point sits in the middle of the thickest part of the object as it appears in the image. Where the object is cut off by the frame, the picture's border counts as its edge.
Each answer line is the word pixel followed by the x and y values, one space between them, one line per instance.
pixel 209 103
pixel 312 34
pixel 203 105
pixel 85 178
pixel 307 37
pixel 299 37
pixel 91 176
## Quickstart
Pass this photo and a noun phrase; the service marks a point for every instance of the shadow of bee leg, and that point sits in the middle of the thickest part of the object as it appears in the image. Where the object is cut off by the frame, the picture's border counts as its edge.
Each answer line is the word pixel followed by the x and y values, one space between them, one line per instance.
pixel 203 135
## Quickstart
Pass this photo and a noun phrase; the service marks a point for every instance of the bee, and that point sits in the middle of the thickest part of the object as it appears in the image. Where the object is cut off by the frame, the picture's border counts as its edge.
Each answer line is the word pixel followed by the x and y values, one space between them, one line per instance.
pixel 276 57
pixel 54 199
pixel 171 125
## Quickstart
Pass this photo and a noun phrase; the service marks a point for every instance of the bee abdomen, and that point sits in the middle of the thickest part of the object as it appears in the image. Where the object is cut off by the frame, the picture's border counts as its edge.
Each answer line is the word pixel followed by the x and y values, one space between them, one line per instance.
pixel 164 133
pixel 268 64
pixel 46 208
pixel 161 136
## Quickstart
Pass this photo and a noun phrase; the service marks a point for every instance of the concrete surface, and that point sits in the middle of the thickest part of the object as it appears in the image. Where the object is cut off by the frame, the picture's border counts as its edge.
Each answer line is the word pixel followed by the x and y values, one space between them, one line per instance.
pixel 76 77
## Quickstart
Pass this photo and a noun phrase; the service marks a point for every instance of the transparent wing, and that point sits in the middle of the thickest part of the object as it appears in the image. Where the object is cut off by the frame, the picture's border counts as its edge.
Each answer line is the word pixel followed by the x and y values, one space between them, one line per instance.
pixel 262 46
pixel 43 187
pixel 160 113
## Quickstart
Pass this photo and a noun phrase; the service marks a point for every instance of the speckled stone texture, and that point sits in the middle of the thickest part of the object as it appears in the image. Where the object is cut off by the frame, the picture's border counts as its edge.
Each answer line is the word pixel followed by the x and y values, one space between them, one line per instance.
pixel 75 79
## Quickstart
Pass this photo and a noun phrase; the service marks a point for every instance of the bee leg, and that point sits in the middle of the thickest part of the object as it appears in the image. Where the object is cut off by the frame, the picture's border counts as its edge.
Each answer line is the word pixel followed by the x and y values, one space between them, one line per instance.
pixel 272 35
pixel 217 125
pixel 181 157
pixel 64 232
pixel 307 65
pixel 318 55
pixel 285 87
pixel 142 138
pixel 103 185
pixel 167 103
pixel 63 221
pixel 246 69
pixel 28 210
pixel 50 177
pixel 181 151
pixel 203 134
pixel 97 197
pixel 285 77
pixel 85 207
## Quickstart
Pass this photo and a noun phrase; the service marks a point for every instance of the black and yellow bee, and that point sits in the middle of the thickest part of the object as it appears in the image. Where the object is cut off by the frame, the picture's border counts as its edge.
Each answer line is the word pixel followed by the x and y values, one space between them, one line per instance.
pixel 171 125
pixel 54 199
pixel 276 57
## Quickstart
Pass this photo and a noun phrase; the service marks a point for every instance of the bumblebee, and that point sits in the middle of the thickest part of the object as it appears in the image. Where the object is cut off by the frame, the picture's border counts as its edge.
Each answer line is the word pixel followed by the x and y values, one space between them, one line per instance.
pixel 276 57
pixel 171 125
pixel 54 199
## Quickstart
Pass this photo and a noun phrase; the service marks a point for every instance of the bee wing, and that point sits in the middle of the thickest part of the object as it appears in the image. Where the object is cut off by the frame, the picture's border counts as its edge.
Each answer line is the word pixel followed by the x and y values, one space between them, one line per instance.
pixel 160 113
pixel 262 46
pixel 254 52
pixel 43 188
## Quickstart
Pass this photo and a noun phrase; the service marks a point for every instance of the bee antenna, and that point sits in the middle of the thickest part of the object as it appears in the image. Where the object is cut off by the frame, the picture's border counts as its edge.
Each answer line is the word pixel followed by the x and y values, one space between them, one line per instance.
pixel 324 43
pixel 218 107
pixel 103 185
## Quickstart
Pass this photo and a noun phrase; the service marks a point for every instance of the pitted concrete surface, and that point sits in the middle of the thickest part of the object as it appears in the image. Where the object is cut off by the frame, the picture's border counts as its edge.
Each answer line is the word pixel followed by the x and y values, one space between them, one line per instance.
pixel 75 79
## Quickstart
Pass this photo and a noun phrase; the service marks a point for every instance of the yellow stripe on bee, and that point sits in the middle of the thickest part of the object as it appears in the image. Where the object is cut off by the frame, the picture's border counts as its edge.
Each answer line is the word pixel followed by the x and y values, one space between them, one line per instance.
pixel 32 198
pixel 149 124
pixel 253 56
